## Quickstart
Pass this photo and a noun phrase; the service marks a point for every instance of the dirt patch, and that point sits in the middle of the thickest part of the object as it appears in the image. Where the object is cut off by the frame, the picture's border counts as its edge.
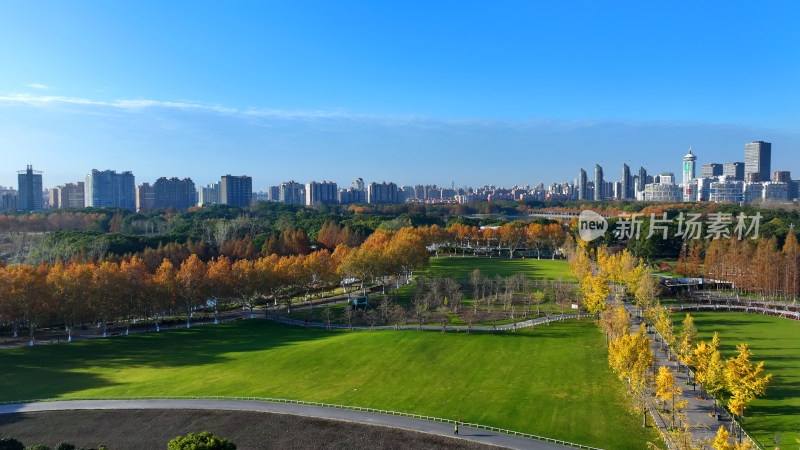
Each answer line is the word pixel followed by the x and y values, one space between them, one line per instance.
pixel 152 429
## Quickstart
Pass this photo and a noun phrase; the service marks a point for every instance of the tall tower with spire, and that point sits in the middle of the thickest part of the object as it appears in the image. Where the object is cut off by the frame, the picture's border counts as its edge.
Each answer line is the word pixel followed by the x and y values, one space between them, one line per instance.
pixel 688 168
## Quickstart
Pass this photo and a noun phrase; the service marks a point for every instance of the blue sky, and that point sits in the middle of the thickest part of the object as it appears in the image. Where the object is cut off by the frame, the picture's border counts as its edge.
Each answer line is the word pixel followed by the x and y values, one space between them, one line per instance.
pixel 412 92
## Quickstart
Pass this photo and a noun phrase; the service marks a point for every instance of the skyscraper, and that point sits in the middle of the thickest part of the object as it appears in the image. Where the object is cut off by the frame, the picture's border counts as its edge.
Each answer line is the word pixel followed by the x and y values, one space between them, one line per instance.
pixel 383 193
pixel 290 192
pixel 208 195
pixel 582 185
pixel 757 156
pixel 109 189
pixel 733 170
pixel 325 193
pixel 642 179
pixel 236 190
pixel 625 183
pixel 710 170
pixel 599 184
pixel 29 190
pixel 175 193
pixel 688 167
pixel 145 197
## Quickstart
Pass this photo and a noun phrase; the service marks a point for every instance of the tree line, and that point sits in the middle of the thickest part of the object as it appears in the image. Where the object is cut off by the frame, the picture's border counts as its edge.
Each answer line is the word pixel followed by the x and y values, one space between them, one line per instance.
pixel 75 293
pixel 630 354
pixel 757 266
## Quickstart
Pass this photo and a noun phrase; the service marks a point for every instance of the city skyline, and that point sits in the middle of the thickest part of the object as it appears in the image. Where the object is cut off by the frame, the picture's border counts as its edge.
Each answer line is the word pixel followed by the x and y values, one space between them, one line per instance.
pixel 515 93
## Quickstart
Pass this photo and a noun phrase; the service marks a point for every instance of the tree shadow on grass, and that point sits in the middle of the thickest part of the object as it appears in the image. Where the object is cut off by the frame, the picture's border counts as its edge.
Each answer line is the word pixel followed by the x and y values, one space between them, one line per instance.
pixel 56 370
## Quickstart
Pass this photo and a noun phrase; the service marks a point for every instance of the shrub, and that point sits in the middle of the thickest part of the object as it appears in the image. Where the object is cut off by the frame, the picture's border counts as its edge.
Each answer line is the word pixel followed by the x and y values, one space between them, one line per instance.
pixel 202 441
pixel 11 444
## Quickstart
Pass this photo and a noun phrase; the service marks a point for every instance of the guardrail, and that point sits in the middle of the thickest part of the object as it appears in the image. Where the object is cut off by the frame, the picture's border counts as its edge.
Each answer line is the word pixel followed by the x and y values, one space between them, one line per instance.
pixel 783 313
pixel 319 404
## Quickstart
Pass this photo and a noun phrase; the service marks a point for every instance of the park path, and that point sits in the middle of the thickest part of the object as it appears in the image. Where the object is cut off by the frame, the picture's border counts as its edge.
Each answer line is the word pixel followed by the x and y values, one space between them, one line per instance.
pixel 698 410
pixel 369 418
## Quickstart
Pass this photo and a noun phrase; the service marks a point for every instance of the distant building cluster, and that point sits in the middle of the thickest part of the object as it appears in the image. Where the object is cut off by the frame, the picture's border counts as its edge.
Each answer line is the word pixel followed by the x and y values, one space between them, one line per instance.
pixel 735 181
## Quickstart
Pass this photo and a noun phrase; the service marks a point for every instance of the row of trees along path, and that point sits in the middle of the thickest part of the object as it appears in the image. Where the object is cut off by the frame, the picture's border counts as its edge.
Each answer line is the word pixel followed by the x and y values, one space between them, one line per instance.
pixel 687 418
pixel 75 294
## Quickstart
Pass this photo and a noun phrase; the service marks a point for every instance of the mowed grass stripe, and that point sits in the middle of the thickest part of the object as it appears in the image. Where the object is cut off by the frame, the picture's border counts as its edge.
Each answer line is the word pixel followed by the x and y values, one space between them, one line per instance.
pixel 551 381
pixel 461 267
pixel 775 341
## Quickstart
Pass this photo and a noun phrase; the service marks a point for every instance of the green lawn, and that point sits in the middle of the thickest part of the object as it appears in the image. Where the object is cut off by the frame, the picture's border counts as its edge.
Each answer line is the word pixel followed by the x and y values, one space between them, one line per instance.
pixel 552 381
pixel 775 341
pixel 461 268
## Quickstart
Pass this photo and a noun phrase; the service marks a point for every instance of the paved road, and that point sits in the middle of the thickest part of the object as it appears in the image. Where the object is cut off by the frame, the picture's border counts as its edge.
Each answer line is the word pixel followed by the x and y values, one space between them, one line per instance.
pixel 703 425
pixel 424 426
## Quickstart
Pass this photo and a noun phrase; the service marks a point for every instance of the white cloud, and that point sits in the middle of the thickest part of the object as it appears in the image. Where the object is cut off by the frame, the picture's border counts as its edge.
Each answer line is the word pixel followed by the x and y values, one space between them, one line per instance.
pixel 39 86
pixel 142 104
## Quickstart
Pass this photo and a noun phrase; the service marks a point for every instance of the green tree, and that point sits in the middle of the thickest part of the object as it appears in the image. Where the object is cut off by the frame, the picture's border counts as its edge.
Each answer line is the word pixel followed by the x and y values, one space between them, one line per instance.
pixel 201 441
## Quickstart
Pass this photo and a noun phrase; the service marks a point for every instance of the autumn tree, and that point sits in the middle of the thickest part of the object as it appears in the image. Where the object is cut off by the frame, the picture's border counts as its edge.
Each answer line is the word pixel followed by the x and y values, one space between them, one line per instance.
pixel 709 366
pixel 220 282
pixel 667 389
pixel 192 285
pixel 29 296
pixel 744 380
pixel 686 339
pixel 165 291
pixel 107 295
pixel 630 356
pixel 791 257
pixel 596 290
pixel 70 288
pixel 136 286
pixel 512 235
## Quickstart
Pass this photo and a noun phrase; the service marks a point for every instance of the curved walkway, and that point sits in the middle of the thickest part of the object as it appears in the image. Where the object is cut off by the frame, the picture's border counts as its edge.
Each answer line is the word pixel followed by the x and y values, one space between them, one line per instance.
pixel 786 314
pixel 423 426
pixel 504 327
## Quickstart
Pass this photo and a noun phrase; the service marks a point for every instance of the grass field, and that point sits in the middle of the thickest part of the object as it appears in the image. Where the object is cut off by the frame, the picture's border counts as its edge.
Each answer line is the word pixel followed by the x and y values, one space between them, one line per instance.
pixel 552 381
pixel 775 341
pixel 460 268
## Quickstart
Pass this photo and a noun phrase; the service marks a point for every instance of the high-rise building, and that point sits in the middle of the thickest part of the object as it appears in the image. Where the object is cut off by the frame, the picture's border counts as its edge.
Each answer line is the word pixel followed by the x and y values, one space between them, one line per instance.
pixel 175 193
pixel 29 188
pixel 582 192
pixel 689 167
pixel 236 190
pixel 626 185
pixel 145 197
pixel 325 193
pixel 726 190
pixel 757 157
pixel 109 189
pixel 711 170
pixel 599 184
pixel 781 176
pixel 642 179
pixel 291 192
pixel 733 170
pixel 8 199
pixel 351 195
pixel 67 196
pixel 274 193
pixel 54 196
pixel 358 183
pixel 383 193
pixel 208 195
